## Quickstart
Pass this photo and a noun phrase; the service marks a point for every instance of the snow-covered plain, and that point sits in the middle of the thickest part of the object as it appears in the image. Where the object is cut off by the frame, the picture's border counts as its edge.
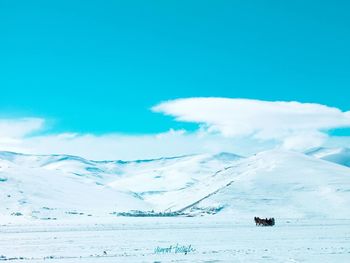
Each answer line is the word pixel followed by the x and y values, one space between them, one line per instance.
pixel 212 240
pixel 62 208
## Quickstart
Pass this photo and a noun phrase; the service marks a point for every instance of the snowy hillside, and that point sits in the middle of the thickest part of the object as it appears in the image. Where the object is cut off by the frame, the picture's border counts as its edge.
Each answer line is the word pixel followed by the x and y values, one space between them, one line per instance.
pixel 56 186
pixel 169 174
pixel 278 183
pixel 49 194
pixel 282 184
pixel 336 155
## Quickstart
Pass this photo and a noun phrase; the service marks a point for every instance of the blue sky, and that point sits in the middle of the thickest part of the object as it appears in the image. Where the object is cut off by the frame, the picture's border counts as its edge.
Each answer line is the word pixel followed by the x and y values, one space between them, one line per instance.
pixel 99 66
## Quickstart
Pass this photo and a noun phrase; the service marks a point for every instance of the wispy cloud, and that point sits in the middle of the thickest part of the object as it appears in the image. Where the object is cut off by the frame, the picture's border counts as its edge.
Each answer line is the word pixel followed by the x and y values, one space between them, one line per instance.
pixel 130 147
pixel 18 128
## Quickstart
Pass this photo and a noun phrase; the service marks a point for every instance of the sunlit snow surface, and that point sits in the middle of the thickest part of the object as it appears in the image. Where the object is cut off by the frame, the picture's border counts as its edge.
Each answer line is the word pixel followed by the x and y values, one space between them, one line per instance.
pixel 271 183
pixel 336 155
pixel 60 208
pixel 213 240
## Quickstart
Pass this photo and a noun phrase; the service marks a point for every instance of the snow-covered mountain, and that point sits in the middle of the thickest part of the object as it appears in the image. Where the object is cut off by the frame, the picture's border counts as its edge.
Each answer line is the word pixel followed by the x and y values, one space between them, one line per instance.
pixel 54 186
pixel 276 183
pixel 30 186
pixel 279 183
pixel 153 177
pixel 336 155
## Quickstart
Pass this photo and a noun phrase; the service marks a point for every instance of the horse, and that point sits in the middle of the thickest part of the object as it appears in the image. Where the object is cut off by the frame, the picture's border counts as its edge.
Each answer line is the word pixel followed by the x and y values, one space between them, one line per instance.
pixel 264 222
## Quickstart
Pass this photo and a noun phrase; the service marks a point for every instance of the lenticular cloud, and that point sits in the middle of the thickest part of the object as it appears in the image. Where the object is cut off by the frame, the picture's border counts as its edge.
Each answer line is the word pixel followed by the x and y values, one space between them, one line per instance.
pixel 294 123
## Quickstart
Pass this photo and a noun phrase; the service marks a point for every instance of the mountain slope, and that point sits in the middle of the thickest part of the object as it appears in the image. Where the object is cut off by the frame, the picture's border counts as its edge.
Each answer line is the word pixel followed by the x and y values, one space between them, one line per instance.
pixel 47 194
pixel 54 186
pixel 336 155
pixel 163 175
pixel 272 183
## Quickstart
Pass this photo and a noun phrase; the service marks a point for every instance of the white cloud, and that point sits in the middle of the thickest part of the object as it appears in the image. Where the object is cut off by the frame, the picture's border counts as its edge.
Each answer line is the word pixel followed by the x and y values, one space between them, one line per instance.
pixel 23 135
pixel 296 125
pixel 304 140
pixel 234 125
pixel 18 128
pixel 130 147
pixel 14 131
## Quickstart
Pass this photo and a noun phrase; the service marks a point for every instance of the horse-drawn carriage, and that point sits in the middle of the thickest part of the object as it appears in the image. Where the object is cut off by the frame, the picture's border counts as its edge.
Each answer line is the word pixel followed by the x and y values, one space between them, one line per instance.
pixel 264 222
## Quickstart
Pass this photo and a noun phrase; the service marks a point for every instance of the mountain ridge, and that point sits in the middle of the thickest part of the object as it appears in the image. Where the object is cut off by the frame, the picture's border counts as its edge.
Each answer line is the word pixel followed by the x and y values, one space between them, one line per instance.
pixel 282 182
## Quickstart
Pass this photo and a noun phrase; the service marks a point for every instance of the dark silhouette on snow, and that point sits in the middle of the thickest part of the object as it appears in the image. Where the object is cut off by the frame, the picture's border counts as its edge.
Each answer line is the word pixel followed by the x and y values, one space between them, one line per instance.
pixel 264 222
